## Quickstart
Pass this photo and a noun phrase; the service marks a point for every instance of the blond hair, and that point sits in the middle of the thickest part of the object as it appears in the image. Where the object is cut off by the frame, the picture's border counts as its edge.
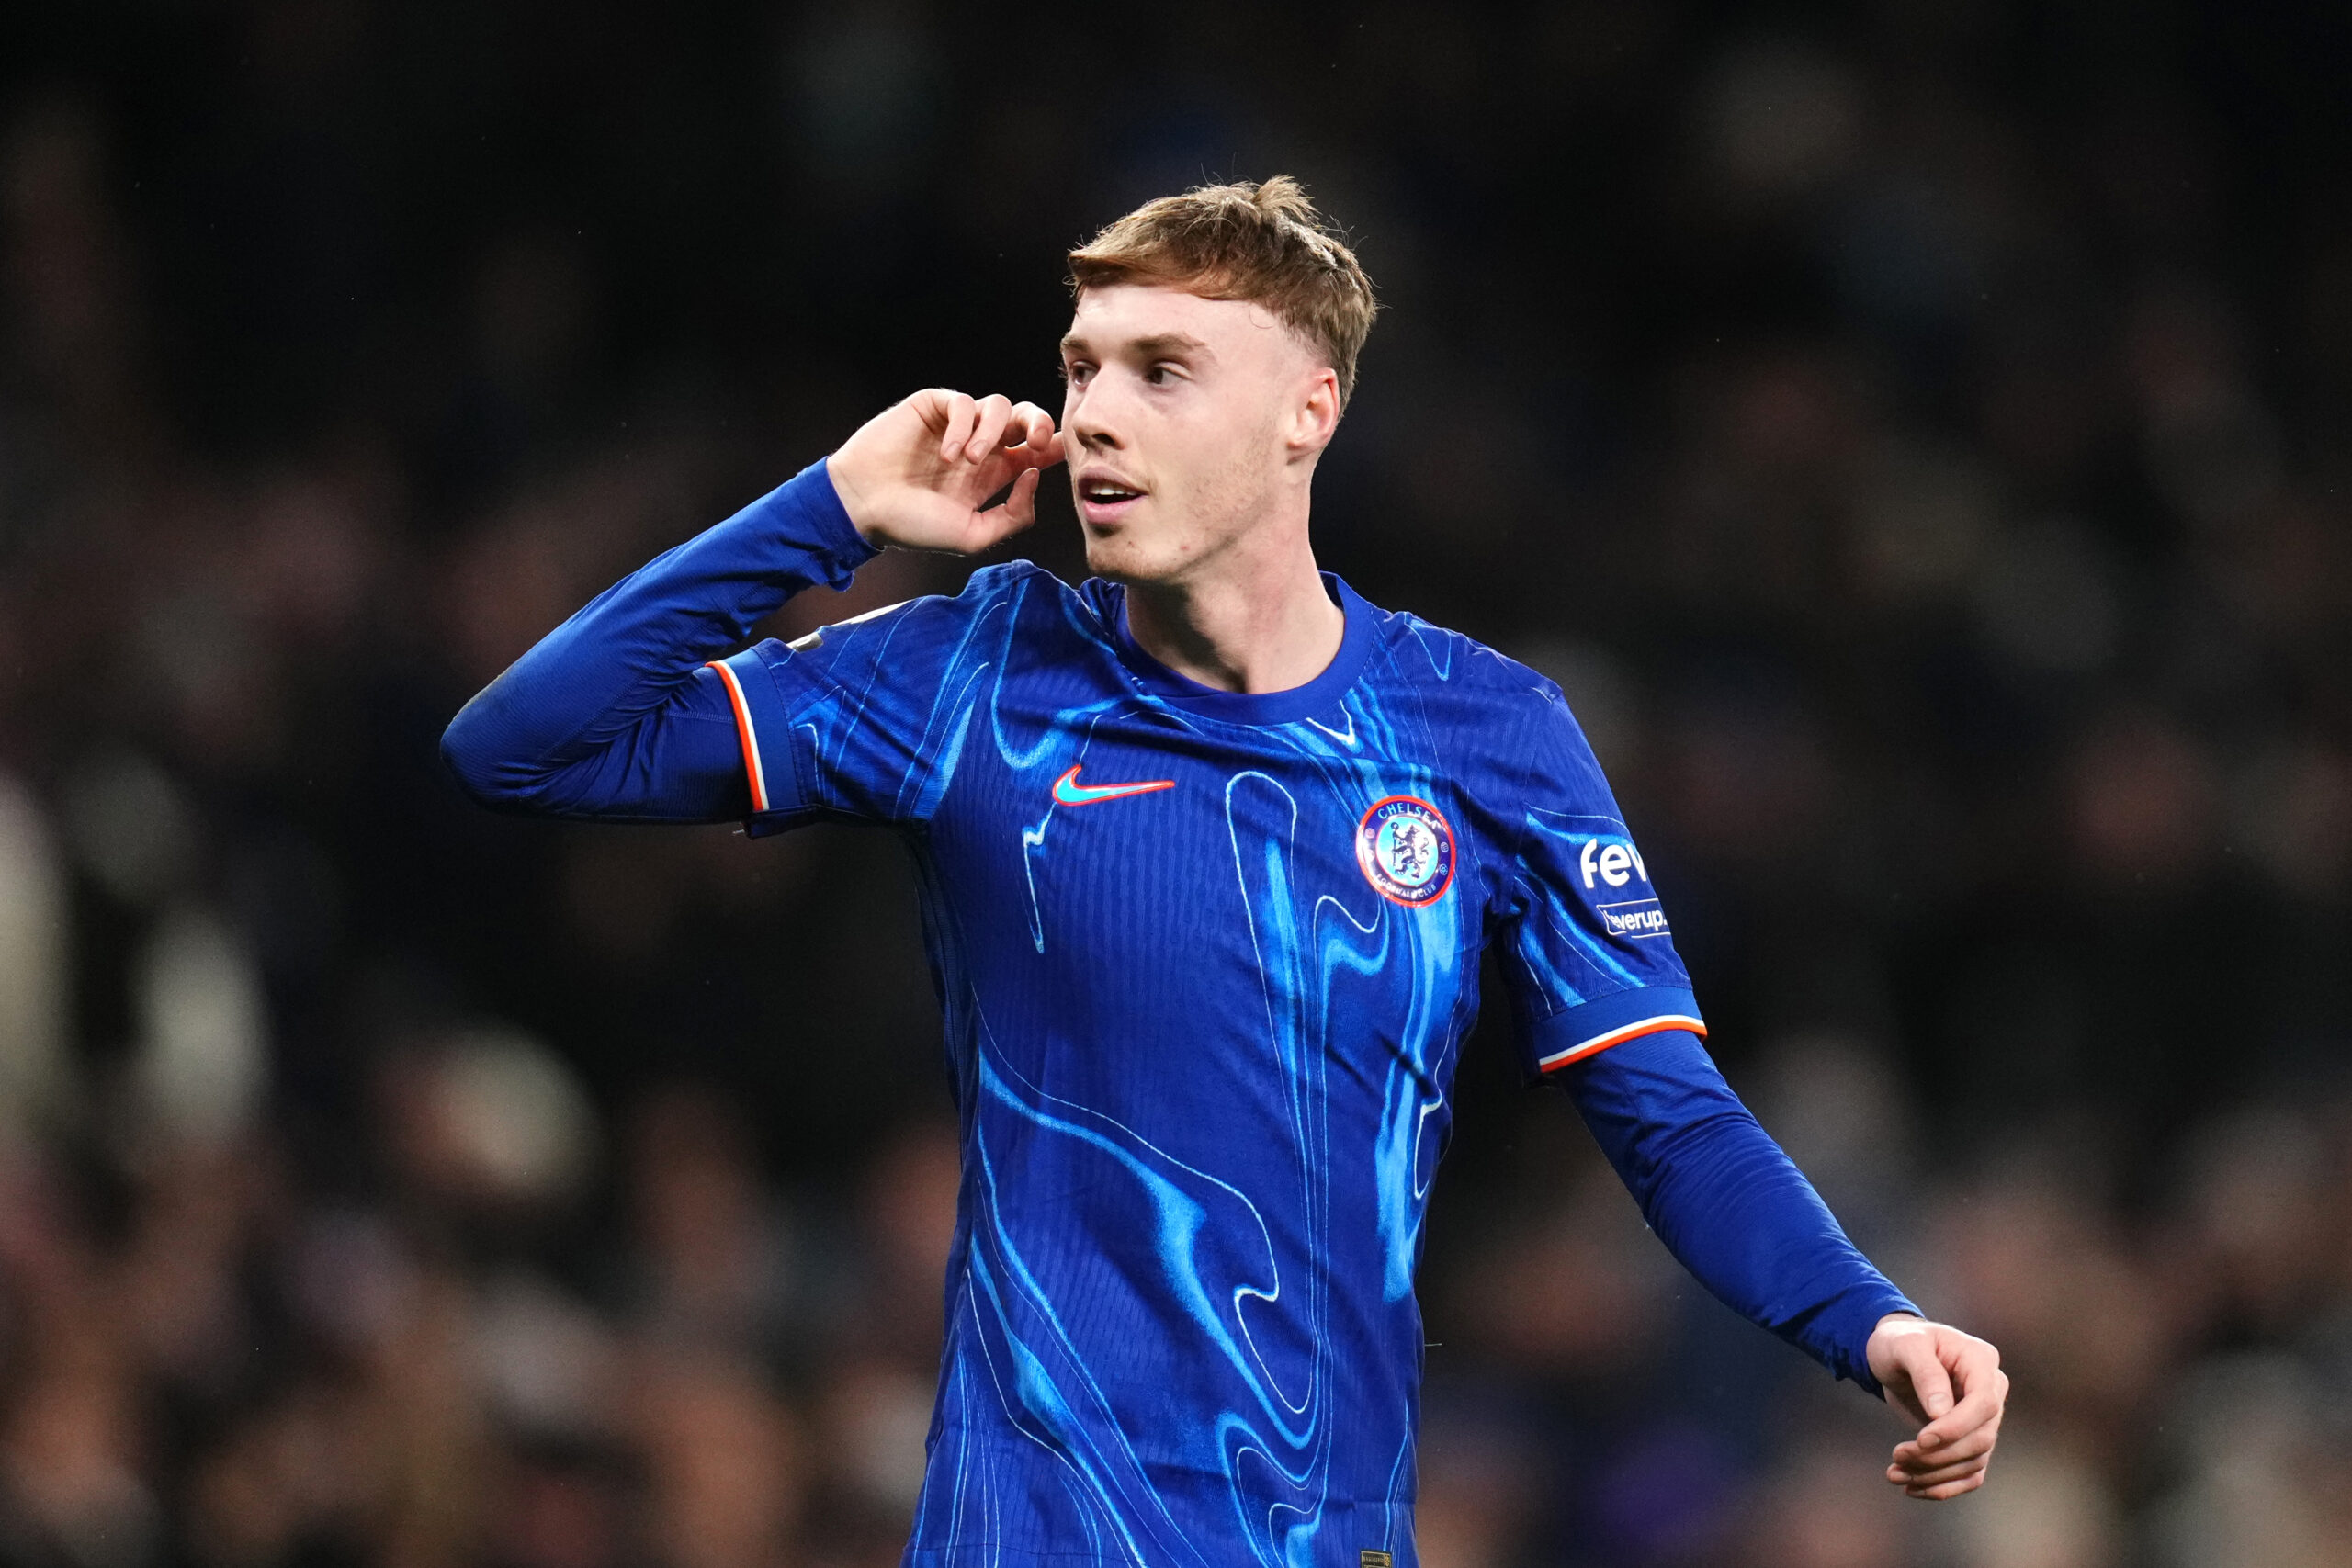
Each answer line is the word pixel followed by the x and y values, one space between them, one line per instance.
pixel 1262 243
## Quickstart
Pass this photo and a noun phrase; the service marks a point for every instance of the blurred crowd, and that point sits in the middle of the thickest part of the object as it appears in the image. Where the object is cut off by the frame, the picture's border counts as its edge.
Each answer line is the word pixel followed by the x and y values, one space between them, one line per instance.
pixel 1912 433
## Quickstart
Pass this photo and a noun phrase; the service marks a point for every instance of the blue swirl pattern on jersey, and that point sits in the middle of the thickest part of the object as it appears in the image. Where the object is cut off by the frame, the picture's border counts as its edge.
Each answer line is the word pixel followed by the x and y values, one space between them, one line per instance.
pixel 1202 1047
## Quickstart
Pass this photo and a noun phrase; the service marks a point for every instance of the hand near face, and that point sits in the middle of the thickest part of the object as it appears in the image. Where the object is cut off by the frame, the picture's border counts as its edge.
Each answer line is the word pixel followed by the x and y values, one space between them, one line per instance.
pixel 1951 1383
pixel 916 474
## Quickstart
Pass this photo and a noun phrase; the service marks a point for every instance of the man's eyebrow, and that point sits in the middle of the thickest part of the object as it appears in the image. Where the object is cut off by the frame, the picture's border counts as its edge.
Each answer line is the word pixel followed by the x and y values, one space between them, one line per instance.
pixel 1165 343
pixel 1158 346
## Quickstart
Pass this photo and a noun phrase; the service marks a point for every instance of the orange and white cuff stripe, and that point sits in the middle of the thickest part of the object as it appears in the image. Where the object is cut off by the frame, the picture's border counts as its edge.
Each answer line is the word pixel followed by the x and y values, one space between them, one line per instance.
pixel 1619 1035
pixel 747 733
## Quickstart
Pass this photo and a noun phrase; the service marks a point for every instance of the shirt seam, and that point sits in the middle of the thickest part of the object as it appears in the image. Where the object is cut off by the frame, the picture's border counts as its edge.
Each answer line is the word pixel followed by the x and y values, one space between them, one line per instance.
pixel 791 722
pixel 1526 812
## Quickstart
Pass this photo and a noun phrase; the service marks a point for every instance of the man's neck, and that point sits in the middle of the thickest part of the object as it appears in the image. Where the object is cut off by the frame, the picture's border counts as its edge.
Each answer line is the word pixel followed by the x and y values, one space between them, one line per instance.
pixel 1261 623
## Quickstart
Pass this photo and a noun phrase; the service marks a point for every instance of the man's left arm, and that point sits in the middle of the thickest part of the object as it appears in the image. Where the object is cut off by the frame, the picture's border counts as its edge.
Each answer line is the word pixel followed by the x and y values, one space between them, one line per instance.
pixel 1736 1210
pixel 1604 1007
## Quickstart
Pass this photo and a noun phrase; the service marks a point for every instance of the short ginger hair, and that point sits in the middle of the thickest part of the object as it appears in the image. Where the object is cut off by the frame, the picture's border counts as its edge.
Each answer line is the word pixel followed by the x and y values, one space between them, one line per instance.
pixel 1263 242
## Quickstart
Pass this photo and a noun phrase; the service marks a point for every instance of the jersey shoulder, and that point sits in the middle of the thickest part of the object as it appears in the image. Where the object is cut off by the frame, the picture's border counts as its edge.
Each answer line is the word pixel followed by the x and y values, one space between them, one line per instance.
pixel 1503 731
pixel 1036 591
pixel 1012 577
pixel 1492 689
pixel 986 589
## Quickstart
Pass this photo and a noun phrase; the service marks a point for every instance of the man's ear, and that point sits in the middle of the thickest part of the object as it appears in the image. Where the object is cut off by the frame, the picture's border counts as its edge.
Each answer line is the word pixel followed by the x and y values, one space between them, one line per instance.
pixel 1316 416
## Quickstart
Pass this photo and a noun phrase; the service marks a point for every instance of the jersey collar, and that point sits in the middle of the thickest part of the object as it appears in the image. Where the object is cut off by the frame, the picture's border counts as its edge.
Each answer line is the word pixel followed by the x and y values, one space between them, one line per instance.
pixel 1319 696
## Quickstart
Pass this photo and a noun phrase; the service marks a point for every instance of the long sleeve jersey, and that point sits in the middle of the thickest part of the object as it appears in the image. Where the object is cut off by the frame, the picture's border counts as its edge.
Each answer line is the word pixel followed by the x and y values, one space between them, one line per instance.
pixel 1205 961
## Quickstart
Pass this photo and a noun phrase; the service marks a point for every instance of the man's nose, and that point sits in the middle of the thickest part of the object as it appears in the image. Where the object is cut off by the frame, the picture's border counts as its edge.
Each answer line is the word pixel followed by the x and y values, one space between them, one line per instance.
pixel 1087 420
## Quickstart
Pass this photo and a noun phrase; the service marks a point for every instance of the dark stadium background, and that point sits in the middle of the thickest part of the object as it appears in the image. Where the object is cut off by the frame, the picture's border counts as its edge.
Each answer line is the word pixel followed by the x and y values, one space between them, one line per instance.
pixel 1914 433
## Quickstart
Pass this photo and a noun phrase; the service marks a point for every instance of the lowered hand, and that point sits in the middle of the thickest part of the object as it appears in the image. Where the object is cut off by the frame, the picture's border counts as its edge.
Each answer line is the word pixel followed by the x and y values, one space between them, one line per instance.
pixel 1951 1383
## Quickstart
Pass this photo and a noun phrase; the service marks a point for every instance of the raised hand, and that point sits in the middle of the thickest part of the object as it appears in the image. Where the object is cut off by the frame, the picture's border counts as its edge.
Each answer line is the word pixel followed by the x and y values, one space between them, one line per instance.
pixel 916 474
pixel 1951 1383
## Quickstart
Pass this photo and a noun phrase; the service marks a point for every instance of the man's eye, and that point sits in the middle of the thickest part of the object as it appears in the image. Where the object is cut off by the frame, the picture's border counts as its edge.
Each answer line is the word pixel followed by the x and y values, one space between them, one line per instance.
pixel 1159 375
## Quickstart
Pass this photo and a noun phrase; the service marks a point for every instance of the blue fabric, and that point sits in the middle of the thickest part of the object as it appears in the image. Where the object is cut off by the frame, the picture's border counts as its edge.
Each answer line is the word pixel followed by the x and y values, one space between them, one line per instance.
pixel 1205 961
pixel 610 715
pixel 1726 1202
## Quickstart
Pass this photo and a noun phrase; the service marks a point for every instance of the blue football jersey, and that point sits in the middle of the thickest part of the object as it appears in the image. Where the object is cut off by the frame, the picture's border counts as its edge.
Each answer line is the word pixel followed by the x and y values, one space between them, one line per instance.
pixel 1206 960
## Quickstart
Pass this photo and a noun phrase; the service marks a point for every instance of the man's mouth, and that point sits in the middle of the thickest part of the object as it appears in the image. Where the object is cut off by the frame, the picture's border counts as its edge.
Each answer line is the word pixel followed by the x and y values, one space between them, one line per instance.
pixel 1102 500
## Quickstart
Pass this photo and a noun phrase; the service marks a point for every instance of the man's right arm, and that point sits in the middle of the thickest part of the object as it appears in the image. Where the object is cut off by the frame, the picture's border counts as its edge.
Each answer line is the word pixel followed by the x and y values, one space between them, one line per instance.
pixel 613 715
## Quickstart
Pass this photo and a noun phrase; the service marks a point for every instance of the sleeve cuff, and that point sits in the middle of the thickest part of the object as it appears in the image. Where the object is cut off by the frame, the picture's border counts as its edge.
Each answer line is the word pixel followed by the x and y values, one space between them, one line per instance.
pixel 1847 1327
pixel 819 524
pixel 1573 1034
pixel 763 729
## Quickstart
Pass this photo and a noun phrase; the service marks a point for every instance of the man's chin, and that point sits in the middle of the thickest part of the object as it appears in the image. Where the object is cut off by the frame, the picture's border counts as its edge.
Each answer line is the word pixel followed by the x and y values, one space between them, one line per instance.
pixel 1116 559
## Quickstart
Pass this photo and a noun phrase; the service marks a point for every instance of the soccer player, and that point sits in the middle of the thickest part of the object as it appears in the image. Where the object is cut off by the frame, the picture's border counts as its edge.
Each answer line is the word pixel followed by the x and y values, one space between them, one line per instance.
pixel 1209 847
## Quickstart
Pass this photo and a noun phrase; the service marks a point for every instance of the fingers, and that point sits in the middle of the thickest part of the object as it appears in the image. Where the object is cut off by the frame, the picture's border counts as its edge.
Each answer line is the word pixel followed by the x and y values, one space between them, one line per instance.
pixel 1985 1391
pixel 973 430
pixel 1920 1480
pixel 1958 1467
pixel 1911 1457
pixel 993 414
pixel 1951 1452
pixel 1017 511
pixel 1034 429
pixel 963 413
pixel 1946 1490
pixel 1024 435
pixel 1920 1474
pixel 1020 508
pixel 1035 424
pixel 1924 1369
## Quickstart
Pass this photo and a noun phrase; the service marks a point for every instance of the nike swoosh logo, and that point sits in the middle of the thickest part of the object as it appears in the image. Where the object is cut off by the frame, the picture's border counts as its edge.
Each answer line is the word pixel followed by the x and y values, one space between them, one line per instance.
pixel 1069 791
pixel 1345 738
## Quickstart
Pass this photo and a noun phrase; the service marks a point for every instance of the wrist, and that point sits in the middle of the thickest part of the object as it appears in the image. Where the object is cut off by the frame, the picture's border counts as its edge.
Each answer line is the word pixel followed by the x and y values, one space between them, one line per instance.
pixel 813 518
pixel 853 501
pixel 1894 1321
pixel 1879 1355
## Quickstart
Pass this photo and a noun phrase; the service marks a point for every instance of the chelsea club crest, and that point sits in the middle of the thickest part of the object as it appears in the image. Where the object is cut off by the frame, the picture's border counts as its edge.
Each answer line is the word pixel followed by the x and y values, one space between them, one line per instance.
pixel 1405 848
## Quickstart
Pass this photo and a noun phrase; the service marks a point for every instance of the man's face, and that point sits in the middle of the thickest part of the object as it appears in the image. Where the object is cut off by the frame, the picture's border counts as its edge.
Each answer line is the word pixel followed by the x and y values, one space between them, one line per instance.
pixel 1181 415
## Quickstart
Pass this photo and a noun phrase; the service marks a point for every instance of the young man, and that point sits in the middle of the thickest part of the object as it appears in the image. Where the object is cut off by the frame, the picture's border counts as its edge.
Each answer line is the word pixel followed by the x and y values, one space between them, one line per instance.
pixel 1209 849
